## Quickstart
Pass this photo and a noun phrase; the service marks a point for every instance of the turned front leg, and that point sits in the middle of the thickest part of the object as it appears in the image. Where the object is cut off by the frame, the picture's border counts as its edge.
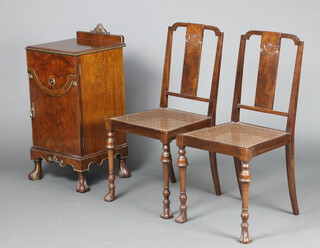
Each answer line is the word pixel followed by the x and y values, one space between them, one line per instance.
pixel 245 179
pixel 165 159
pixel 182 163
pixel 111 178
pixel 123 169
pixel 36 174
pixel 82 183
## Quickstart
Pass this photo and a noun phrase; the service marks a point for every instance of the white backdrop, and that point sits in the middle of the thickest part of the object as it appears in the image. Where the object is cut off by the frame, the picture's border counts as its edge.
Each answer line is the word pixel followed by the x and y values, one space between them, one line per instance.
pixel 144 25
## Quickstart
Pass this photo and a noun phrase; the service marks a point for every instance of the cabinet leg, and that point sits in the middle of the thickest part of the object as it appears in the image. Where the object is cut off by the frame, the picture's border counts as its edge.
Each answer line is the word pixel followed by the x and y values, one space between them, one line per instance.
pixel 82 183
pixel 36 174
pixel 123 169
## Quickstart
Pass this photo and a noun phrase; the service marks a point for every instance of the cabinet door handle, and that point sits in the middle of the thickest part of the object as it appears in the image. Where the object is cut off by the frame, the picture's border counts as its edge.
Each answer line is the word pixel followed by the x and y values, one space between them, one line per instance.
pixel 32 112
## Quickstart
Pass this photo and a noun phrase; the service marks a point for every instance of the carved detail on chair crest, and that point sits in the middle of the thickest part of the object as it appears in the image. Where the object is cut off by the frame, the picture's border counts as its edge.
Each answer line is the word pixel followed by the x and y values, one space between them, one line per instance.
pixel 269 49
pixel 193 40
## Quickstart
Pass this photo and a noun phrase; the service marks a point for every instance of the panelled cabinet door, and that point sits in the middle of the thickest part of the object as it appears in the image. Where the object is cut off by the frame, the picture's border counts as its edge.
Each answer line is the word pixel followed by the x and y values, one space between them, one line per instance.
pixel 54 96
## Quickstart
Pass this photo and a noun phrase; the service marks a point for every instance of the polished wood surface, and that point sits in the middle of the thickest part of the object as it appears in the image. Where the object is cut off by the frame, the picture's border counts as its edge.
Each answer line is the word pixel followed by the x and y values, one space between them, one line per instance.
pixel 245 141
pixel 82 186
pixel 245 179
pixel 85 43
pixel 71 96
pixel 166 160
pixel 192 59
pixel 268 69
pixel 165 123
pixel 108 39
pixel 110 145
pixel 102 96
pixel 182 163
pixel 61 114
pixel 263 110
pixel 36 174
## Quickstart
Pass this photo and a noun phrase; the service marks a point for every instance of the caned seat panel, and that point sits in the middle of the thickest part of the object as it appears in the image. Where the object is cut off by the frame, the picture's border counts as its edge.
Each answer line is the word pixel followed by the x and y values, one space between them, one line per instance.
pixel 237 134
pixel 161 119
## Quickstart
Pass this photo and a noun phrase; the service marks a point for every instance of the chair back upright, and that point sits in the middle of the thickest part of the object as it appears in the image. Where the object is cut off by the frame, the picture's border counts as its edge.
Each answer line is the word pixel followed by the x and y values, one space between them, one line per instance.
pixel 191 66
pixel 267 77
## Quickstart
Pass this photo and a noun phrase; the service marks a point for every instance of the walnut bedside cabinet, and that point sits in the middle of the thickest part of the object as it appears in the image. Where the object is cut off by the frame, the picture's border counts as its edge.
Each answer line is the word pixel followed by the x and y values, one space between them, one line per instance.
pixel 75 85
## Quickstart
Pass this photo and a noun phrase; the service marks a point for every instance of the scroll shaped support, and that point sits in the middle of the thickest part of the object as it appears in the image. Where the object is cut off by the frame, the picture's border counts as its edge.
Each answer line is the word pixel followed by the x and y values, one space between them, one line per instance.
pixel 245 179
pixel 36 174
pixel 182 163
pixel 82 183
pixel 111 178
pixel 165 159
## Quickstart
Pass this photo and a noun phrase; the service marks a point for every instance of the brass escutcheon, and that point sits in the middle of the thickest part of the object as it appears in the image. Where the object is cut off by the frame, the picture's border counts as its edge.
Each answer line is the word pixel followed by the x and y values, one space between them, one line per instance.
pixel 52 81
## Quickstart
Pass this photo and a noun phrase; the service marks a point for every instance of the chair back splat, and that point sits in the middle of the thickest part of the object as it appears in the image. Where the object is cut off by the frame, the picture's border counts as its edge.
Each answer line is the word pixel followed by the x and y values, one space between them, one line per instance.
pixel 191 66
pixel 267 76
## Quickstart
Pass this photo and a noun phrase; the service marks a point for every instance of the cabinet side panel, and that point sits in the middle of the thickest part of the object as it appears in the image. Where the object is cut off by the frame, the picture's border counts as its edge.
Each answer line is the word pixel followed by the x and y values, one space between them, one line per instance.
pixel 102 96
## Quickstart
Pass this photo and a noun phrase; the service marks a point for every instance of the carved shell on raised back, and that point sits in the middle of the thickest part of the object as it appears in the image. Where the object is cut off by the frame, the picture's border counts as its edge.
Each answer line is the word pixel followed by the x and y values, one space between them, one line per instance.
pixel 269 49
pixel 99 29
pixel 193 40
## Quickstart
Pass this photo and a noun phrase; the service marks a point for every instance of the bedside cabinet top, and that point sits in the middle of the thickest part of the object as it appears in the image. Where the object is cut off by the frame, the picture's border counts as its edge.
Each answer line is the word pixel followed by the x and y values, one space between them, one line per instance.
pixel 85 43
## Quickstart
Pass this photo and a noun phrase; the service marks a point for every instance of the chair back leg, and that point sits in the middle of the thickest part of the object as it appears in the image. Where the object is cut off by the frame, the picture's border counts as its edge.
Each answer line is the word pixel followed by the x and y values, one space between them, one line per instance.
pixel 291 178
pixel 237 166
pixel 171 171
pixel 214 172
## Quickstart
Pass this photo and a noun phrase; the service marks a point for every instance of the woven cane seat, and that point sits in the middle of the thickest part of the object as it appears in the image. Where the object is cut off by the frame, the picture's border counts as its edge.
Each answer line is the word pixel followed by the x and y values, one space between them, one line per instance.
pixel 161 119
pixel 237 134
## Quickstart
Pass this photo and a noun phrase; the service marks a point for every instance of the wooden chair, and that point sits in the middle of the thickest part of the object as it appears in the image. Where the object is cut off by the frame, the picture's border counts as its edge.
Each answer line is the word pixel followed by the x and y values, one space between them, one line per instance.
pixel 164 123
pixel 245 141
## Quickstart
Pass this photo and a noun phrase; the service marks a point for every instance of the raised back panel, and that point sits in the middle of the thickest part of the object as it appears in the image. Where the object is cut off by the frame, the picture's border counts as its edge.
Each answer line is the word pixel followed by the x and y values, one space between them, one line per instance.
pixel 191 66
pixel 192 59
pixel 100 37
pixel 268 70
